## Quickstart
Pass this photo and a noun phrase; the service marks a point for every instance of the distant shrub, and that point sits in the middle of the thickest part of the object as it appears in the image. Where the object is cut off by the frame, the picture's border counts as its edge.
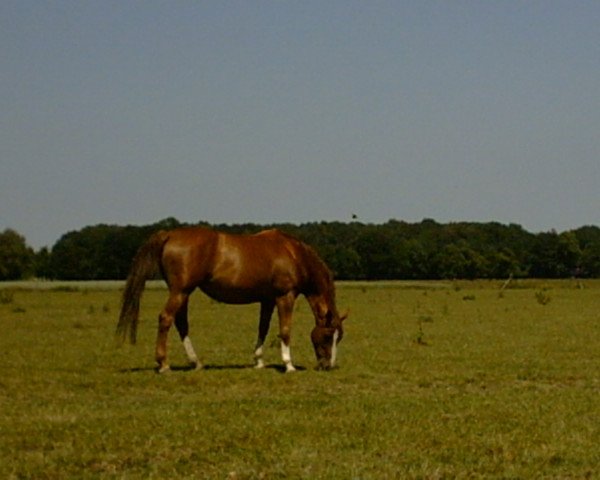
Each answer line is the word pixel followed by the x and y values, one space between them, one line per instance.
pixel 542 297
pixel 65 288
pixel 6 297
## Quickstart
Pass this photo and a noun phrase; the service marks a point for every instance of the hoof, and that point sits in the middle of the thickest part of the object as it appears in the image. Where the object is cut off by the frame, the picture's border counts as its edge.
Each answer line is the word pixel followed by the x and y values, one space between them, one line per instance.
pixel 259 364
pixel 163 369
pixel 196 366
pixel 289 368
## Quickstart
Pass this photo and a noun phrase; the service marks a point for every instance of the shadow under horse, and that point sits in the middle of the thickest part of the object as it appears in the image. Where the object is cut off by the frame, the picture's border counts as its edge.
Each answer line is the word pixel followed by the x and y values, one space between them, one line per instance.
pixel 270 268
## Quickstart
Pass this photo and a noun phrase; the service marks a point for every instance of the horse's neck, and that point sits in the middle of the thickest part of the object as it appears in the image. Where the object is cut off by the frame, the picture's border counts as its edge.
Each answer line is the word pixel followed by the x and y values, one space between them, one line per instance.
pixel 319 288
pixel 320 281
pixel 321 300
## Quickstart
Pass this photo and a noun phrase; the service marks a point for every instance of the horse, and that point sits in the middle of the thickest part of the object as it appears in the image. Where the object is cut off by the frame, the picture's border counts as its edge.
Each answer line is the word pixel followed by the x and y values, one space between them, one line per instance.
pixel 271 268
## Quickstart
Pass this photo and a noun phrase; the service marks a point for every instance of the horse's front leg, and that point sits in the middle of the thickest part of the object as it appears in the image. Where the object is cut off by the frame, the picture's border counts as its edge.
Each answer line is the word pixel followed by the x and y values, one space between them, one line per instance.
pixel 183 328
pixel 285 307
pixel 165 320
pixel 266 312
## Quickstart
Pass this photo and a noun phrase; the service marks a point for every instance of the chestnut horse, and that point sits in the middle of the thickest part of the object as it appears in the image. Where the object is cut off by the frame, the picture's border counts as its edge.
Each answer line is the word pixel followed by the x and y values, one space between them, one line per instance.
pixel 270 268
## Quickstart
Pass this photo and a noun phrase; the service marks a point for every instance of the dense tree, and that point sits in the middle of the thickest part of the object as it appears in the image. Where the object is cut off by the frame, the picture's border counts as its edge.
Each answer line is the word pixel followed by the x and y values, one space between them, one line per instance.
pixel 386 254
pixel 554 255
pixel 503 263
pixel 459 260
pixel 42 264
pixel 588 238
pixel 393 250
pixel 590 260
pixel 100 252
pixel 16 258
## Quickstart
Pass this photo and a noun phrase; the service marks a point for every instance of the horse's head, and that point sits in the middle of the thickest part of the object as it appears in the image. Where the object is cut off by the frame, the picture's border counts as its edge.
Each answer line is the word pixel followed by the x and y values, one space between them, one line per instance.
pixel 325 337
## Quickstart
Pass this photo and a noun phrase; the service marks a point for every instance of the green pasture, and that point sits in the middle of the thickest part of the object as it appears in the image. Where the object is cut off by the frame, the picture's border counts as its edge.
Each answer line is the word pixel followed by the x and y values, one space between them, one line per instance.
pixel 436 380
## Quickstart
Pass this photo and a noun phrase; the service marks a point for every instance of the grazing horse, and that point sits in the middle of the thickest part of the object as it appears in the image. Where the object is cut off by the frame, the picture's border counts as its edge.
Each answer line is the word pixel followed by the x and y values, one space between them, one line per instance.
pixel 270 268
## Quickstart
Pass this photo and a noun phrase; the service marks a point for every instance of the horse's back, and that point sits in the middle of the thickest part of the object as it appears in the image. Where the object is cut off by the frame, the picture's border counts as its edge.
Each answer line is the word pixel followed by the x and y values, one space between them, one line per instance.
pixel 254 267
pixel 233 268
pixel 188 255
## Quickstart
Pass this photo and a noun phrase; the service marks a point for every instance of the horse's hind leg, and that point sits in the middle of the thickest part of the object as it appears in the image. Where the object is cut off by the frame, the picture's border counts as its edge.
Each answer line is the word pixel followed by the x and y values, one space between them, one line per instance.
pixel 181 322
pixel 165 320
pixel 266 312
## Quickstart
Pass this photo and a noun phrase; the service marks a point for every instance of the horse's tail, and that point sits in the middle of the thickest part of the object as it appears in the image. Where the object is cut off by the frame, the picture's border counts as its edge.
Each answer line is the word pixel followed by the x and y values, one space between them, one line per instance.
pixel 144 266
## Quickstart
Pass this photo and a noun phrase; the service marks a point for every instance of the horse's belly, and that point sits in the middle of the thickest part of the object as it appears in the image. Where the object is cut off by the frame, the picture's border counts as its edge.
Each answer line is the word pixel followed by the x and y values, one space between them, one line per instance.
pixel 238 294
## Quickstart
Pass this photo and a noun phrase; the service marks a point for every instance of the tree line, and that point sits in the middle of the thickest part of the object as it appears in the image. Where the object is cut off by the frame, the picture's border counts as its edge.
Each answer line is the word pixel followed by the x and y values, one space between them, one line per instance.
pixel 393 250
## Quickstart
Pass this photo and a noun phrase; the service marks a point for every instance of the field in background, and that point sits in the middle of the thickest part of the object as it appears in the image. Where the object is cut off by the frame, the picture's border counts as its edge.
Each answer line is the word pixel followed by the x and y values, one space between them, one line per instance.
pixel 436 380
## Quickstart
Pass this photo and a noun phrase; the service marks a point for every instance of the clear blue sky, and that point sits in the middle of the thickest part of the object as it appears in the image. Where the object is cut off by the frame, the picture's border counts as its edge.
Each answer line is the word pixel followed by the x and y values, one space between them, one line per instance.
pixel 127 112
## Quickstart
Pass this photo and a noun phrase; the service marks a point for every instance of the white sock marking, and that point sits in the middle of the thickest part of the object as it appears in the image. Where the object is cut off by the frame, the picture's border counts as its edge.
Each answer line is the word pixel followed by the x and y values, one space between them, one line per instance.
pixel 258 354
pixel 336 335
pixel 287 357
pixel 189 350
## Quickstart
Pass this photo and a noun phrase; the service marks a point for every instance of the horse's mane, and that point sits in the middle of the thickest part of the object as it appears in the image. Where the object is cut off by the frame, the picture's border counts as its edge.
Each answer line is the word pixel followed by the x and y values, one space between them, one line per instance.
pixel 321 277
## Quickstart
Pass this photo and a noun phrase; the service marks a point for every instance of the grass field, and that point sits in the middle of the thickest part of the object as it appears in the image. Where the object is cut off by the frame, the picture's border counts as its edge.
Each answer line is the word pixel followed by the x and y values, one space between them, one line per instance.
pixel 436 380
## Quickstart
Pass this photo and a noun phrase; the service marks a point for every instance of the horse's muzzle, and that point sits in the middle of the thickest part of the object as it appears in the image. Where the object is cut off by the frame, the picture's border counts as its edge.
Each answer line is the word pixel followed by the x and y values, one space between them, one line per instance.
pixel 325 365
